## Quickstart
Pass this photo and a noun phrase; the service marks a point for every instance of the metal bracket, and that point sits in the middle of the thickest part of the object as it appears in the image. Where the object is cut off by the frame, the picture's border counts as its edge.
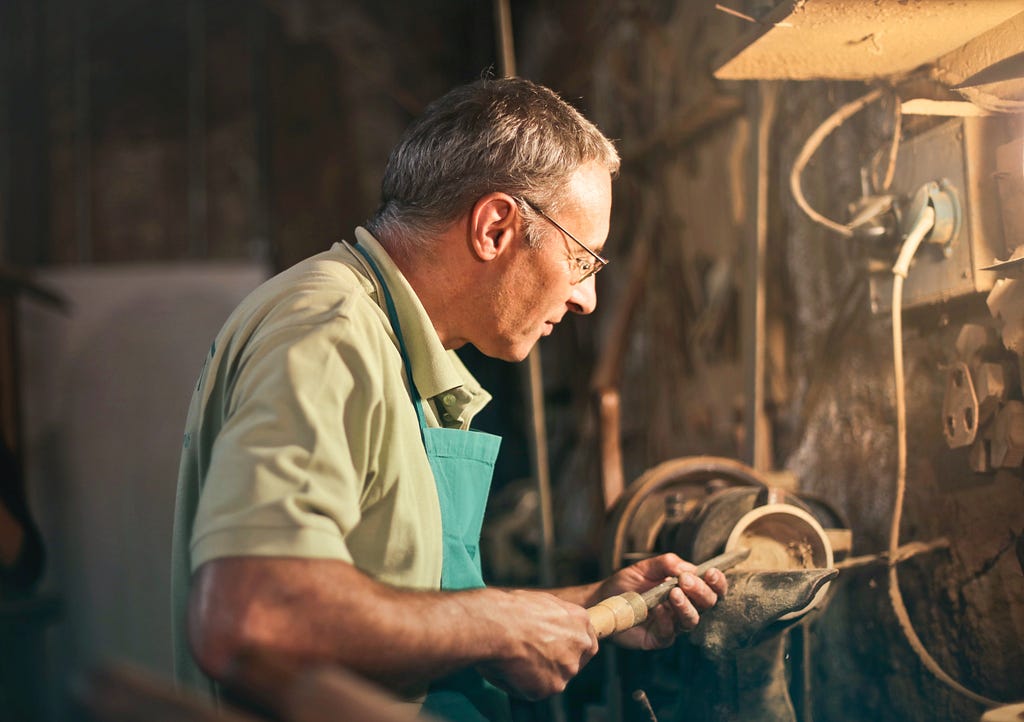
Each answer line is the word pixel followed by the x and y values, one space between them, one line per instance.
pixel 960 407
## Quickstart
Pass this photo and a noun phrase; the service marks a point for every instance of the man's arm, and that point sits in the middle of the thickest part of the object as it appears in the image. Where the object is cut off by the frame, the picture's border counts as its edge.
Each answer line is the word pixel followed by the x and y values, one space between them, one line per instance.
pixel 529 642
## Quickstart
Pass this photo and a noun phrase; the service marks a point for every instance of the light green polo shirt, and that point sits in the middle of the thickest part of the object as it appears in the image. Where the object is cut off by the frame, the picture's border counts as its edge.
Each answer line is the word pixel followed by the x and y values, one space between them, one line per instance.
pixel 301 438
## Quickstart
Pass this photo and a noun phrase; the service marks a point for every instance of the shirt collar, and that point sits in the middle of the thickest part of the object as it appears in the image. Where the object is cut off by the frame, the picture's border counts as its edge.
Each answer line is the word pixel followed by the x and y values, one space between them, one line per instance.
pixel 435 370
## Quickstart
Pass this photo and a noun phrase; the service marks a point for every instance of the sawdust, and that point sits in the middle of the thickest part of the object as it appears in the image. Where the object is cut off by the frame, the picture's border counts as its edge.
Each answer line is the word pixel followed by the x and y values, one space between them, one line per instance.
pixel 770 554
pixel 773 548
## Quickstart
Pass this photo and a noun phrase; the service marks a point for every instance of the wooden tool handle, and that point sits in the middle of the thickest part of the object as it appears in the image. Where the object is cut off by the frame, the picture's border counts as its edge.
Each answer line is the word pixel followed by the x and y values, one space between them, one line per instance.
pixel 616 614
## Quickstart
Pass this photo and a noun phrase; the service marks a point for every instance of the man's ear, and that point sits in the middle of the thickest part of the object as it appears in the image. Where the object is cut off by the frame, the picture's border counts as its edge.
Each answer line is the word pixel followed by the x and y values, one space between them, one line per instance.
pixel 494 222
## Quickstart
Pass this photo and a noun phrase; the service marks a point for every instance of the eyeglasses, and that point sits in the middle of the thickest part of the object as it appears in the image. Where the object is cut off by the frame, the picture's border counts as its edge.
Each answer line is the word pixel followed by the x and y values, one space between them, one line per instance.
pixel 585 267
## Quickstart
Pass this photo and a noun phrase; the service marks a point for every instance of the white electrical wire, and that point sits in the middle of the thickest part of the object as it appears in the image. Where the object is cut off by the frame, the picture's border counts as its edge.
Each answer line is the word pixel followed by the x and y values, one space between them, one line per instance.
pixel 894 148
pixel 811 145
pixel 921 229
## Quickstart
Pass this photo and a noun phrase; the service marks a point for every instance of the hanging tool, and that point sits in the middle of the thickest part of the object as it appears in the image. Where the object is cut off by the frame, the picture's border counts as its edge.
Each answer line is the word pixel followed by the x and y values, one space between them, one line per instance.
pixel 625 611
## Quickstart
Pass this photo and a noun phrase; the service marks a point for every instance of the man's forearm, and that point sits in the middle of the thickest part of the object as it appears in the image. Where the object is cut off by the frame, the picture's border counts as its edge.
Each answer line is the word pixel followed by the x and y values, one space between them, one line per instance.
pixel 530 642
pixel 328 610
pixel 584 595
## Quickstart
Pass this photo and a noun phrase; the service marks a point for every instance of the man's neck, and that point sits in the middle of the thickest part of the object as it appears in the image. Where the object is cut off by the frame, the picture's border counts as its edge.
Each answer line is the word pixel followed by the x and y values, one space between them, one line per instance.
pixel 438 282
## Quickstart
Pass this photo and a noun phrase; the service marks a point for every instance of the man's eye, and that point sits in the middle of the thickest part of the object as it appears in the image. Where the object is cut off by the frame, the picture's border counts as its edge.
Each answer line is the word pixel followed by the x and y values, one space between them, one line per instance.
pixel 584 264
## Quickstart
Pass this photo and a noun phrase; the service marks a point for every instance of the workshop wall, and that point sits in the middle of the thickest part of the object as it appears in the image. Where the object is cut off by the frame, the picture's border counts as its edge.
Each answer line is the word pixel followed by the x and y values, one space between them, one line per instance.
pixel 829 378
pixel 141 131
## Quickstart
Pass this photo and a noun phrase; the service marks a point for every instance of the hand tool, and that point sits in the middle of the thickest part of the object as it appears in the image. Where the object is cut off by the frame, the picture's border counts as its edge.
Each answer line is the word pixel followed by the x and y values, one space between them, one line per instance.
pixel 625 611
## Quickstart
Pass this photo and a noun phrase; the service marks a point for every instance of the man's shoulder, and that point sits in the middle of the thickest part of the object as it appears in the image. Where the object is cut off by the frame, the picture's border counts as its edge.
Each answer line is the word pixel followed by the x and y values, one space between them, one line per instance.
pixel 327 280
pixel 326 293
pixel 334 274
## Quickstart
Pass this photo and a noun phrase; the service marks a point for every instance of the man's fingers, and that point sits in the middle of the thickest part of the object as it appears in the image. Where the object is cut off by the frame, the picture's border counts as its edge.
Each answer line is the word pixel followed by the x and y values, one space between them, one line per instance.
pixel 686 613
pixel 662 627
pixel 664 565
pixel 717 580
pixel 698 591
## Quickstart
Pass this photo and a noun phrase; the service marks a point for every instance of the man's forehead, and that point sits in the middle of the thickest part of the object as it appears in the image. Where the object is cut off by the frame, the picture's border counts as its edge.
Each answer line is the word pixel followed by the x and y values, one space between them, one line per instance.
pixel 590 185
pixel 589 198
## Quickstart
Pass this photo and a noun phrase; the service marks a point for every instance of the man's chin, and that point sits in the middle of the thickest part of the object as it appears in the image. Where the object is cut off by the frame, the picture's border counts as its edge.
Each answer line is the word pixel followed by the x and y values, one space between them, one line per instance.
pixel 519 353
pixel 512 353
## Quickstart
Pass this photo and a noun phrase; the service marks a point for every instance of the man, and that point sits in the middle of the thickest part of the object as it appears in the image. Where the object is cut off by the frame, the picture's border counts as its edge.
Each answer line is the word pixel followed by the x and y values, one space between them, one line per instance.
pixel 331 492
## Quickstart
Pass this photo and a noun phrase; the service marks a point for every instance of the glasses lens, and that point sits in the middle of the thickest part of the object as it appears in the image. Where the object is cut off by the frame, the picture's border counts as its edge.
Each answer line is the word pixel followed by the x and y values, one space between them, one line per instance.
pixel 585 267
pixel 588 268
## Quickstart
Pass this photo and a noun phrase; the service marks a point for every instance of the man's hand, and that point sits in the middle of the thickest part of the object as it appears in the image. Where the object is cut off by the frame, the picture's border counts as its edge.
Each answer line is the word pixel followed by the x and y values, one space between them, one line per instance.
pixel 548 643
pixel 679 613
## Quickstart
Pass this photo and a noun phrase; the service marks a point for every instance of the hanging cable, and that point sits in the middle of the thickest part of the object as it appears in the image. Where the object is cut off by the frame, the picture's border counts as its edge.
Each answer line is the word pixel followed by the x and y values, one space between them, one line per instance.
pixel 894 148
pixel 812 144
pixel 921 229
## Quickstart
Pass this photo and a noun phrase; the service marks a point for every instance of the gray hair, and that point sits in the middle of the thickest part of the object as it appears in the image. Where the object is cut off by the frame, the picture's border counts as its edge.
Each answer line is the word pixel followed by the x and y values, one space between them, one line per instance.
pixel 509 135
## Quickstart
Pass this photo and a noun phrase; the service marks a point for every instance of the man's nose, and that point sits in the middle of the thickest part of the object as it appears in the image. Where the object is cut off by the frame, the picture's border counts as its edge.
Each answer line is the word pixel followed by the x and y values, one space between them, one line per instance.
pixel 584 297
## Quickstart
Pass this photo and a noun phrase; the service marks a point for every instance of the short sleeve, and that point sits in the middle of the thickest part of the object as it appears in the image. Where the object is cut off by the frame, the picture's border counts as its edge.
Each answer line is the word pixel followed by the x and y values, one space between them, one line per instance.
pixel 291 460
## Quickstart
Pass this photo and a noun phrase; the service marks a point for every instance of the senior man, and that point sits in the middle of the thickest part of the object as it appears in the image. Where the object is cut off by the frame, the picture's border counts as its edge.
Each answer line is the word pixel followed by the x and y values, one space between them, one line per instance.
pixel 331 492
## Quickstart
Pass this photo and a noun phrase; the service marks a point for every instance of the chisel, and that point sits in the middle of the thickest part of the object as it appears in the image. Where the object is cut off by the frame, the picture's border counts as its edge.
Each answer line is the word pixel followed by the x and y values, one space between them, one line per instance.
pixel 625 611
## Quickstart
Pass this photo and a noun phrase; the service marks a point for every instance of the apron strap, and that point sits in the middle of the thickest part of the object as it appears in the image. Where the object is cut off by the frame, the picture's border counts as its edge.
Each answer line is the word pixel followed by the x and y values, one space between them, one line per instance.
pixel 397 327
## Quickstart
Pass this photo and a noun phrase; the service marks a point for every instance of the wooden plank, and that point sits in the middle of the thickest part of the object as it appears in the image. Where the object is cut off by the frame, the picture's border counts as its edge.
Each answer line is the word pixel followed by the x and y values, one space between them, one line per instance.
pixel 857 40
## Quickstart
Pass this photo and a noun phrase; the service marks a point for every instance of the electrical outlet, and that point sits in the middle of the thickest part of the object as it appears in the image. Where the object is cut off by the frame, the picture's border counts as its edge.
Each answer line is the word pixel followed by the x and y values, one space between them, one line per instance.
pixel 959 158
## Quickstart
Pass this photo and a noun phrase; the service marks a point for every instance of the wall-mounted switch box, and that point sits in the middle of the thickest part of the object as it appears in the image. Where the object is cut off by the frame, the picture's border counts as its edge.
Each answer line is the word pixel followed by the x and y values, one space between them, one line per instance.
pixel 960 156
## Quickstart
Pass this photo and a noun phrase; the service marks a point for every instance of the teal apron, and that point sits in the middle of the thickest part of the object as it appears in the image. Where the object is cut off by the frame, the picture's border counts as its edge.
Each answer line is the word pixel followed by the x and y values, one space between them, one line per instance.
pixel 462 463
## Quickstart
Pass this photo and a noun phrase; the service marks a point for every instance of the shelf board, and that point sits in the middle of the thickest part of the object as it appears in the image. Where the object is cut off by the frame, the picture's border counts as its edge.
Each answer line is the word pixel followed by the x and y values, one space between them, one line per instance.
pixel 859 39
